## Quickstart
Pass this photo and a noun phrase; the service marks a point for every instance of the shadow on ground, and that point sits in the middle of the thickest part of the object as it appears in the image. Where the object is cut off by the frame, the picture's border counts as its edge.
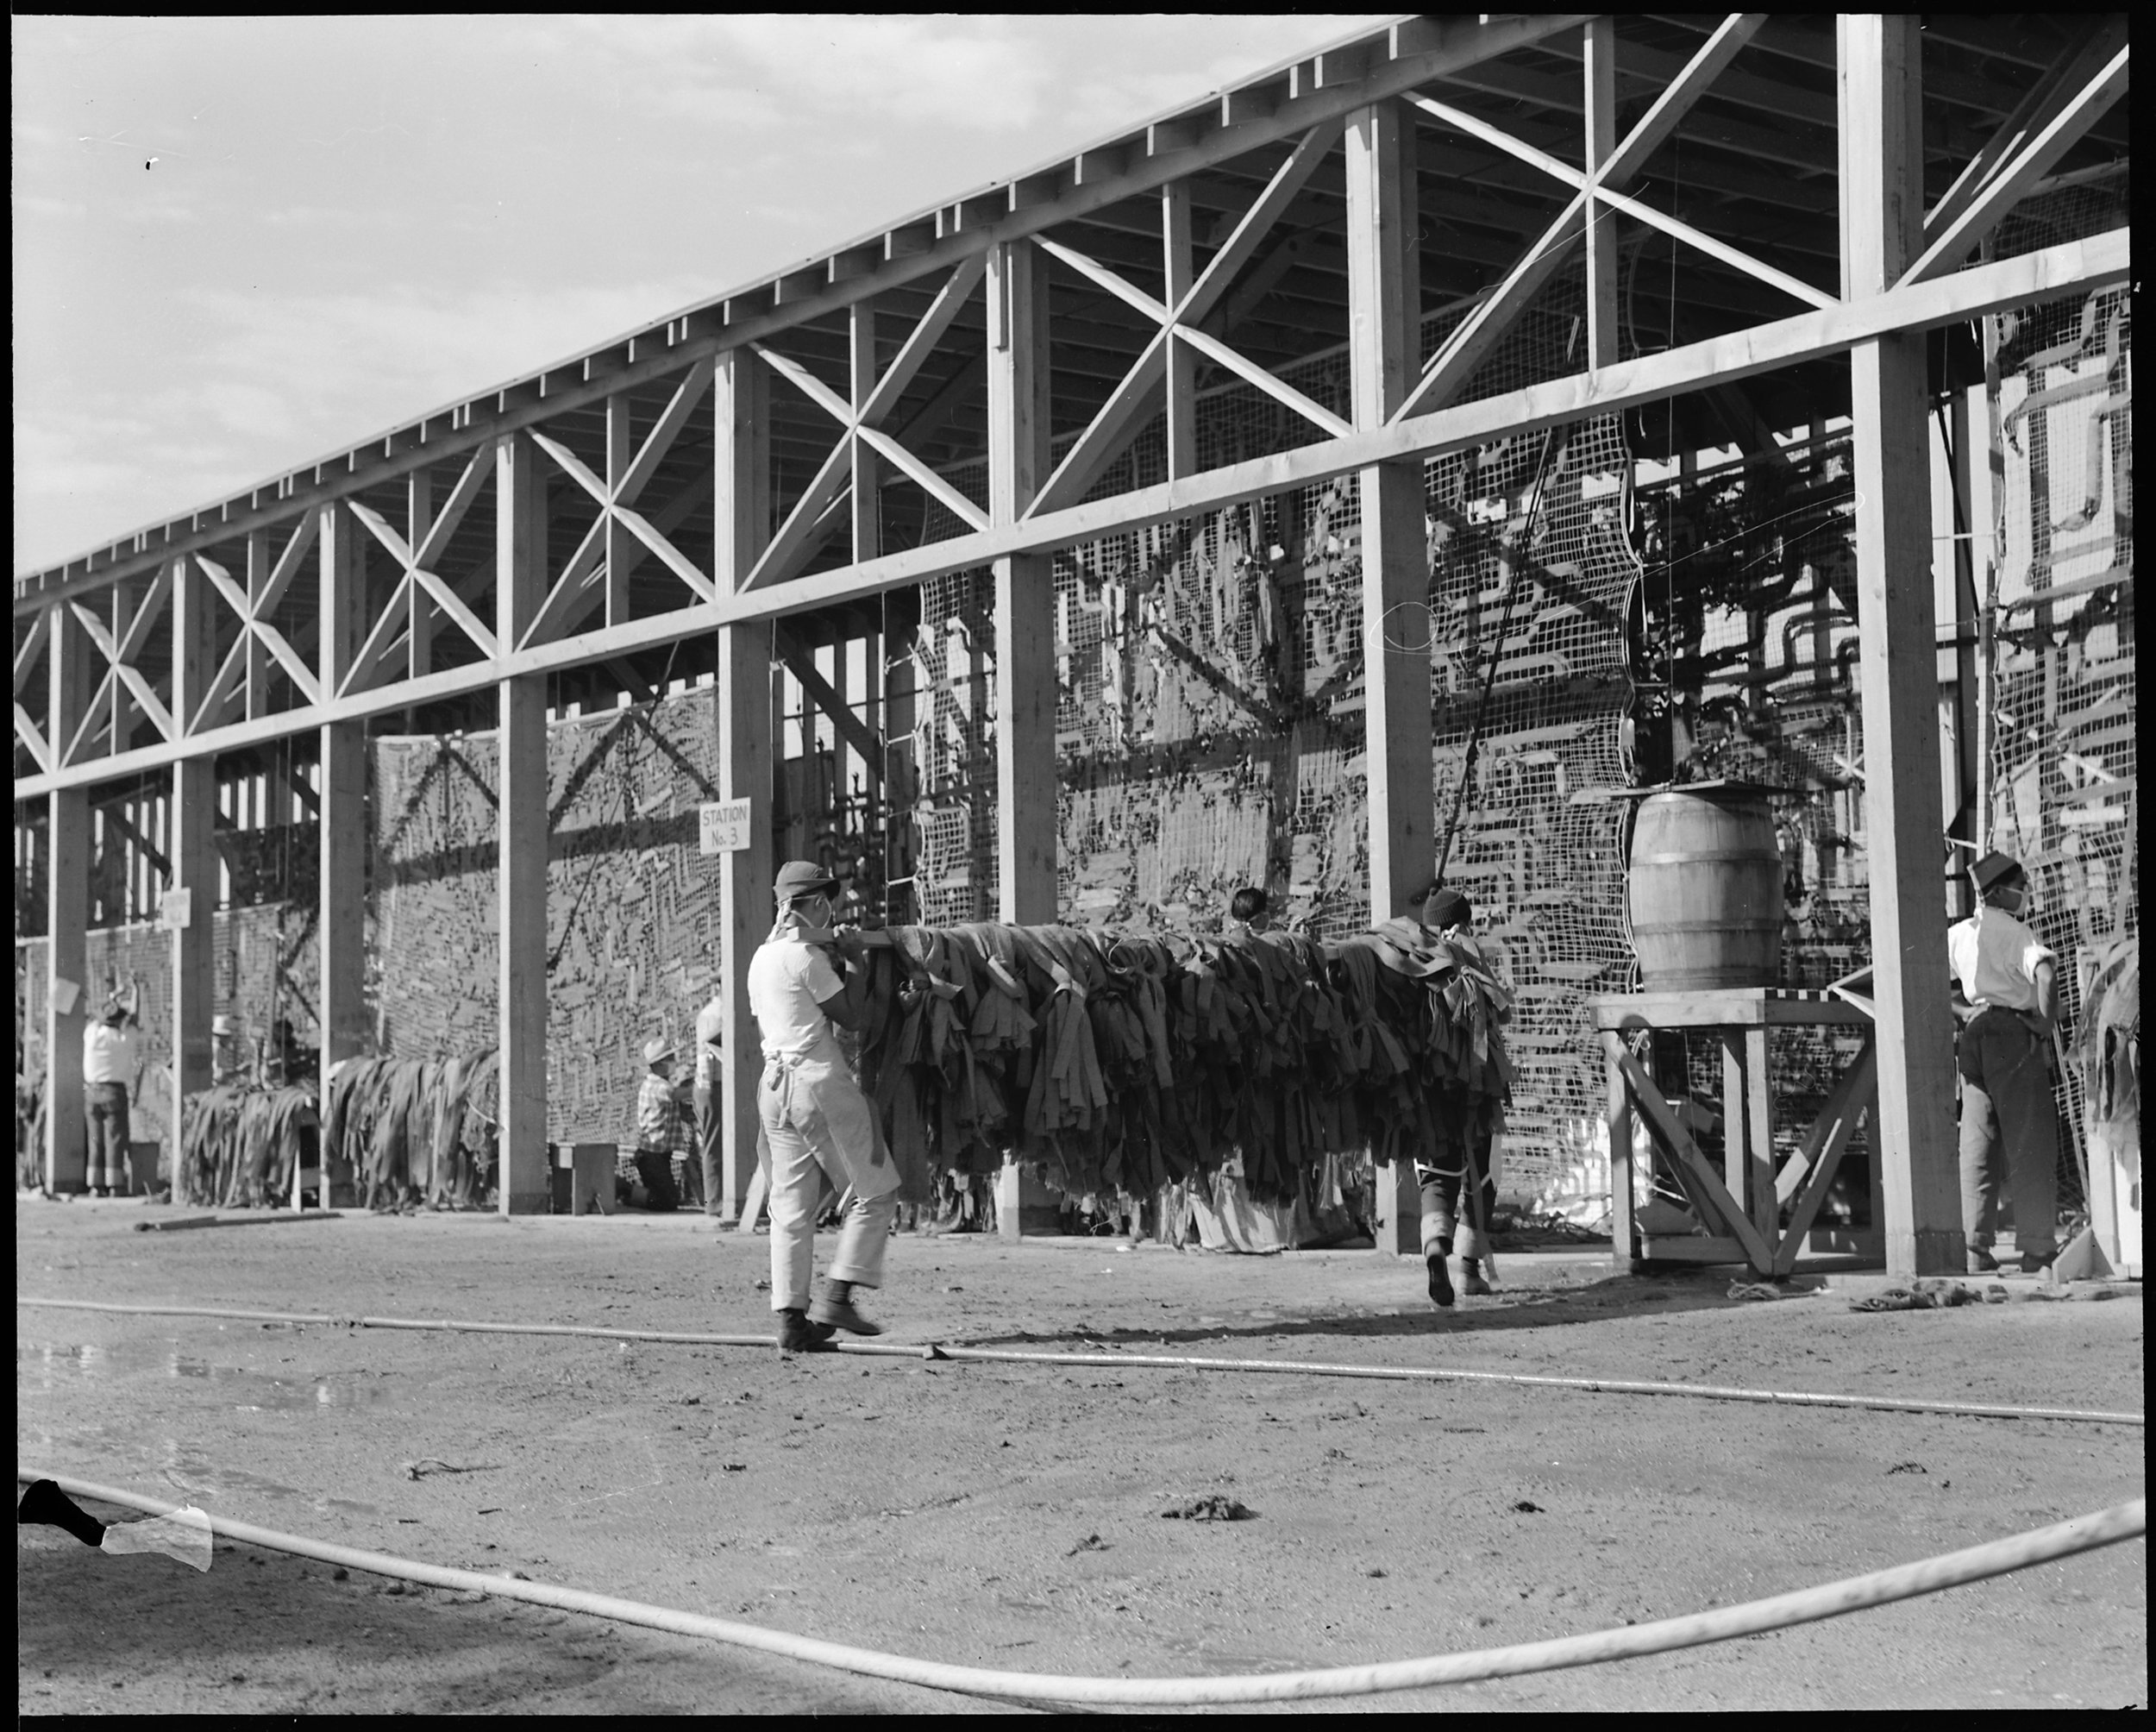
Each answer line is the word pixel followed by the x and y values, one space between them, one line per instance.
pixel 263 1632
pixel 1617 1295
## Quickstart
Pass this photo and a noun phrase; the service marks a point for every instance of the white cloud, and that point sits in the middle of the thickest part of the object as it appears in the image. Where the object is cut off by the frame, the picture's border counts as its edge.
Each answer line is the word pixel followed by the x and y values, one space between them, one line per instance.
pixel 268 382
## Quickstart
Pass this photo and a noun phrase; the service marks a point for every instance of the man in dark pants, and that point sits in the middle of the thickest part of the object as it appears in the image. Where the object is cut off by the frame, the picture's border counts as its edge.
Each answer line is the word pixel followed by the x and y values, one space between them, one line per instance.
pixel 1444 1175
pixel 2007 997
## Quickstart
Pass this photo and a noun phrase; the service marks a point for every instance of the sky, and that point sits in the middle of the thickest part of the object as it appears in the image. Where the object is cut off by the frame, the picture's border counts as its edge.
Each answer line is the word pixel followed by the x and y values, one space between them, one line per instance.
pixel 241 243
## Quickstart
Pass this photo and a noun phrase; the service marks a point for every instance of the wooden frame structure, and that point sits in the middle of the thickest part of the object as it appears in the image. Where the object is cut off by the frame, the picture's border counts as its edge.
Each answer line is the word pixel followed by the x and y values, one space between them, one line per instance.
pixel 1828 189
pixel 1742 1205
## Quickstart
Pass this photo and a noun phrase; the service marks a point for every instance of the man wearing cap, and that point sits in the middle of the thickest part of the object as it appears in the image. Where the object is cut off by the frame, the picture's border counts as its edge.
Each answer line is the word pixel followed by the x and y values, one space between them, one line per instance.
pixel 1447 915
pixel 224 1053
pixel 658 1126
pixel 2006 999
pixel 108 1073
pixel 816 1120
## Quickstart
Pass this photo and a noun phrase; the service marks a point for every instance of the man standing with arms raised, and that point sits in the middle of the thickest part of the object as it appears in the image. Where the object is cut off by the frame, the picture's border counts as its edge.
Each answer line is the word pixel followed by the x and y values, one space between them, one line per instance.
pixel 816 1120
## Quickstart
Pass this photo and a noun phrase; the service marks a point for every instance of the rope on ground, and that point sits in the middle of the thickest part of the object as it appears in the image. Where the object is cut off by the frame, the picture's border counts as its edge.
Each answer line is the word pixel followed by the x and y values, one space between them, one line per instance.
pixel 1623 1386
pixel 1806 1605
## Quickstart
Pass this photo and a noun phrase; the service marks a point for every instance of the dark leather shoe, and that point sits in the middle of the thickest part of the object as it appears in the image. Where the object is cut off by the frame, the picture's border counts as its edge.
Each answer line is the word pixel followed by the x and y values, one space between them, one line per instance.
pixel 830 1313
pixel 2033 1265
pixel 1981 1261
pixel 798 1335
pixel 1440 1281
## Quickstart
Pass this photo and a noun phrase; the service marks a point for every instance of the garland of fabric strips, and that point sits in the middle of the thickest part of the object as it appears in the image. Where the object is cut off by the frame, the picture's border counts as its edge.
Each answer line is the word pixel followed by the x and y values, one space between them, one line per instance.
pixel 1129 1062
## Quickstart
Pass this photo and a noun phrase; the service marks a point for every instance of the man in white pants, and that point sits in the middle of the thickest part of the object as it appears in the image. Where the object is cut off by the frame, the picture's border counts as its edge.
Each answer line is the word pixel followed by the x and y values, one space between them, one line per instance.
pixel 816 1120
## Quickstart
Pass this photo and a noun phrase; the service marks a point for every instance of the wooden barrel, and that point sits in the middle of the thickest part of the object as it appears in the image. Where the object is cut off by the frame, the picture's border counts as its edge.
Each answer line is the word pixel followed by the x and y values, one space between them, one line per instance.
pixel 1706 891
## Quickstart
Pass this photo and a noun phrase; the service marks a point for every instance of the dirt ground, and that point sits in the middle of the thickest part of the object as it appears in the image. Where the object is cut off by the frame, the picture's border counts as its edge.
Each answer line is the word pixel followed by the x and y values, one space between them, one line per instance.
pixel 1009 1515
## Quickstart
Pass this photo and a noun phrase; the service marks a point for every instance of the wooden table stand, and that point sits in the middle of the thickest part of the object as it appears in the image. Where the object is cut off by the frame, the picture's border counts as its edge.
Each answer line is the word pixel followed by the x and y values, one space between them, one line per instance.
pixel 1743 1205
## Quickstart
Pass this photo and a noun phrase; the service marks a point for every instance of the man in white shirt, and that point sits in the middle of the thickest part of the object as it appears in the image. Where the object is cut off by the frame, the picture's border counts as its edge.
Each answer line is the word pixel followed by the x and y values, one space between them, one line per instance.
pixel 816 1120
pixel 108 1063
pixel 2007 998
pixel 710 1100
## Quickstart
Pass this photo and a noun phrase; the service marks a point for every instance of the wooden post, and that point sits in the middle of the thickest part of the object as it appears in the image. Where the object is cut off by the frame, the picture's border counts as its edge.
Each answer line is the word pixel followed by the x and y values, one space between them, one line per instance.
pixel 1025 639
pixel 1181 385
pixel 1600 63
pixel 191 843
pixel 520 578
pixel 67 912
pixel 748 740
pixel 1384 309
pixel 341 922
pixel 1622 1254
pixel 1882 210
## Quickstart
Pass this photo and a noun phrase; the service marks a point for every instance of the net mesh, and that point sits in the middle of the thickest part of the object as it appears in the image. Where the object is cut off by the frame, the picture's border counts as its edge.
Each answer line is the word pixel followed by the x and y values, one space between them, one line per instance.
pixel 2062 711
pixel 1210 725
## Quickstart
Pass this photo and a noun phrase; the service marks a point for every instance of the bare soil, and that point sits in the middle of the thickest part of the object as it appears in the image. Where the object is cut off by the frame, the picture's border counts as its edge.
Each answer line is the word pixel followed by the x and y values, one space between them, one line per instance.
pixel 1010 1516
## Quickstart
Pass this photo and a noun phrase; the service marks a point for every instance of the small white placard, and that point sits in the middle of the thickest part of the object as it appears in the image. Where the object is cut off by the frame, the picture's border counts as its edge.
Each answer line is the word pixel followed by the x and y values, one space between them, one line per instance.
pixel 176 910
pixel 65 992
pixel 722 826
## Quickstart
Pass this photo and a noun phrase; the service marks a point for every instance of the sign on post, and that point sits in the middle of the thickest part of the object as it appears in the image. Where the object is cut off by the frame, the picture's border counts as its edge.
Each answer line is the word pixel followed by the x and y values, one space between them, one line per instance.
pixel 722 826
pixel 176 909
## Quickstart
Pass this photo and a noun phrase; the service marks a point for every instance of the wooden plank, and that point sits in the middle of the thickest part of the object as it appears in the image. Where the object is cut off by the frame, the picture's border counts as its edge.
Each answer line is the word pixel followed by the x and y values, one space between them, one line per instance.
pixel 1736 1118
pixel 2099 40
pixel 1384 299
pixel 669 555
pixel 741 478
pixel 1025 687
pixel 924 477
pixel 1734 1006
pixel 341 922
pixel 66 910
pixel 1841 1128
pixel 1735 258
pixel 1882 179
pixel 687 397
pixel 1101 276
pixel 1181 371
pixel 1622 1242
pixel 428 549
pixel 195 869
pixel 1959 237
pixel 1599 43
pixel 790 548
pixel 1701 1182
pixel 32 739
pixel 1217 352
pixel 1758 1113
pixel 1694 1248
pixel 802 665
pixel 807 384
pixel 2071 267
pixel 620 453
pixel 29 645
pixel 520 588
pixel 913 354
pixel 867 482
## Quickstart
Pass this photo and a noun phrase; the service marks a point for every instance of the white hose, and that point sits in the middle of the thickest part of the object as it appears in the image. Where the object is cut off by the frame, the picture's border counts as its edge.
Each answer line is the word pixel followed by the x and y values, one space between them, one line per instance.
pixel 1629 1386
pixel 1807 1605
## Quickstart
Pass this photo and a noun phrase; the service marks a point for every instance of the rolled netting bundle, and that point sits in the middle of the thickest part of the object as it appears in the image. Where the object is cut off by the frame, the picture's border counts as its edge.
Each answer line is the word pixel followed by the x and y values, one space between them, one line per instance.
pixel 1127 1062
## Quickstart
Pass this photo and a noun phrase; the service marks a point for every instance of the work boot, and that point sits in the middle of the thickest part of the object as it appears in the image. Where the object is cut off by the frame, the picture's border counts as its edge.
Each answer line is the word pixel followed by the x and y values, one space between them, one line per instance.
pixel 1471 1275
pixel 835 1309
pixel 2035 1263
pixel 797 1334
pixel 1440 1282
pixel 1981 1261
